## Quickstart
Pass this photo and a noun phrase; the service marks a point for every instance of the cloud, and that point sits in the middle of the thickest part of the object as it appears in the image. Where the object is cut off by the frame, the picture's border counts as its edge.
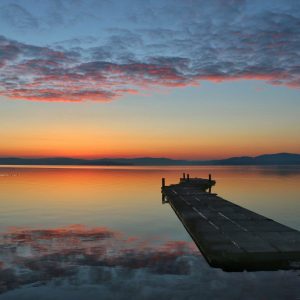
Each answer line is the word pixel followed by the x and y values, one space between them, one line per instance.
pixel 45 254
pixel 76 262
pixel 18 17
pixel 166 43
pixel 44 74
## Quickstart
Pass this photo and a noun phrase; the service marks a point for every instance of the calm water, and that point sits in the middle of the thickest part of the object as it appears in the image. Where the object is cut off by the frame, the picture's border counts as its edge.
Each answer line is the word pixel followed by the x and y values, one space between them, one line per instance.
pixel 102 232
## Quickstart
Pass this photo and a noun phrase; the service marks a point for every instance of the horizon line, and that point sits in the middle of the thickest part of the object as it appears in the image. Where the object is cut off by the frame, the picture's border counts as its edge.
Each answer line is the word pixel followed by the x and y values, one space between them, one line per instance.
pixel 142 157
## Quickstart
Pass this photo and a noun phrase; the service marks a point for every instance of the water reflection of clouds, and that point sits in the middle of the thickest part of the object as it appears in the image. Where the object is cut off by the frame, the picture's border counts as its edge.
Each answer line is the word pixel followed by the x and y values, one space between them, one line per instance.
pixel 76 262
pixel 30 256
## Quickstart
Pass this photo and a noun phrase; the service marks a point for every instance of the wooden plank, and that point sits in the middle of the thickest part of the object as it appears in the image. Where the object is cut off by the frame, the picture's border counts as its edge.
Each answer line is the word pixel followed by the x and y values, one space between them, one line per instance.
pixel 229 236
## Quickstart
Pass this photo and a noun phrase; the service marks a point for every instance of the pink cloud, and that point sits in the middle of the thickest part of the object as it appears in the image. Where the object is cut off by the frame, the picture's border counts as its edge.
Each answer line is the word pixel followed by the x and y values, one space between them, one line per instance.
pixel 45 254
pixel 43 74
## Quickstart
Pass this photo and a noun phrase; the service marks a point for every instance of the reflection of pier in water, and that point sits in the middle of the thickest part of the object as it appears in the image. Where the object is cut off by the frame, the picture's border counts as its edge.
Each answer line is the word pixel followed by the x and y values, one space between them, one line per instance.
pixel 229 236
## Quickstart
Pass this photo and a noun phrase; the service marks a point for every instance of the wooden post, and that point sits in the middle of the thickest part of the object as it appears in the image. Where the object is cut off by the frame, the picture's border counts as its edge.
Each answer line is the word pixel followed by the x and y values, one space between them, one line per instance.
pixel 183 175
pixel 209 177
pixel 163 182
pixel 188 177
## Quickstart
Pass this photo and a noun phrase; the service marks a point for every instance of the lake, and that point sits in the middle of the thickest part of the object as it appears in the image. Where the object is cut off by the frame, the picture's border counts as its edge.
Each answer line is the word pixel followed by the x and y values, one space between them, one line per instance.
pixel 103 232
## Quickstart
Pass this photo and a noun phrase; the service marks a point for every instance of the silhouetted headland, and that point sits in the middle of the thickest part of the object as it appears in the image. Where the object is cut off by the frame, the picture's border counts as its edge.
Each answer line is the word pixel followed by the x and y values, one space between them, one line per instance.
pixel 266 159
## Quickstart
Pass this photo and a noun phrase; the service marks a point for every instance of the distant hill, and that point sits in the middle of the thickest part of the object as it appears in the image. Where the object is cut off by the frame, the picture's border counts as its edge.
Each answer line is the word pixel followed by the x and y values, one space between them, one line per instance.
pixel 60 161
pixel 266 159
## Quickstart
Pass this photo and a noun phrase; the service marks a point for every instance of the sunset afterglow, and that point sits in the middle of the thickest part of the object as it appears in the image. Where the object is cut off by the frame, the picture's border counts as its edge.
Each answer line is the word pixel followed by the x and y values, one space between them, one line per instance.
pixel 192 79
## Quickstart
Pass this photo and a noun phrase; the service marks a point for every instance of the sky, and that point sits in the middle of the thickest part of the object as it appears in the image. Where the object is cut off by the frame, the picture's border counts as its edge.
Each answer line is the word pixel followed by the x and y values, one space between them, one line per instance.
pixel 194 79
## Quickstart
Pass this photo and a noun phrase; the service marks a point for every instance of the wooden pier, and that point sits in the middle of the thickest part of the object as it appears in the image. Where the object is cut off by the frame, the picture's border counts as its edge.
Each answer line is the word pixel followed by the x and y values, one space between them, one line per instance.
pixel 229 236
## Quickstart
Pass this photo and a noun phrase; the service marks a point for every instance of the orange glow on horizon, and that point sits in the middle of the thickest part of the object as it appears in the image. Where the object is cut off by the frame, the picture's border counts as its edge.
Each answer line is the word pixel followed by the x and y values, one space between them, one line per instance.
pixel 204 152
pixel 92 141
pixel 194 155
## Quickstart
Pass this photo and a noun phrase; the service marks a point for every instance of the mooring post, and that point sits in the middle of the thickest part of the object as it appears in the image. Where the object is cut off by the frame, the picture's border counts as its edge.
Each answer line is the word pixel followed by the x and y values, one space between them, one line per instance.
pixel 163 196
pixel 209 178
pixel 183 175
pixel 188 177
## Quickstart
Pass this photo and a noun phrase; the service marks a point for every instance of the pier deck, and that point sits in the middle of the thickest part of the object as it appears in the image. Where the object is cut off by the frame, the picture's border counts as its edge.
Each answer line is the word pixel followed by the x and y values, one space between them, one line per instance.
pixel 229 236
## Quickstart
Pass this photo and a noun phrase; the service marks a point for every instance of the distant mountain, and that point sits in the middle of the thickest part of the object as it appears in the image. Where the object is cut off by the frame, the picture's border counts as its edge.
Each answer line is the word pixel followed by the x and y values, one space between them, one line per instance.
pixel 150 161
pixel 60 161
pixel 266 159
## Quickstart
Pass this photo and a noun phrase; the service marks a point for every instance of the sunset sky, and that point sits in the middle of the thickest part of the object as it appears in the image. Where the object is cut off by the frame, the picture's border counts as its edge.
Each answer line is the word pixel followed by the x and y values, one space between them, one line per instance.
pixel 193 79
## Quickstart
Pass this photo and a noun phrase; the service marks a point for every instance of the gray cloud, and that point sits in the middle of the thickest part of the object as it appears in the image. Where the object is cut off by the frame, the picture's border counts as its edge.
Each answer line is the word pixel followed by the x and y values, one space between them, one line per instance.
pixel 162 43
pixel 17 16
pixel 76 262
